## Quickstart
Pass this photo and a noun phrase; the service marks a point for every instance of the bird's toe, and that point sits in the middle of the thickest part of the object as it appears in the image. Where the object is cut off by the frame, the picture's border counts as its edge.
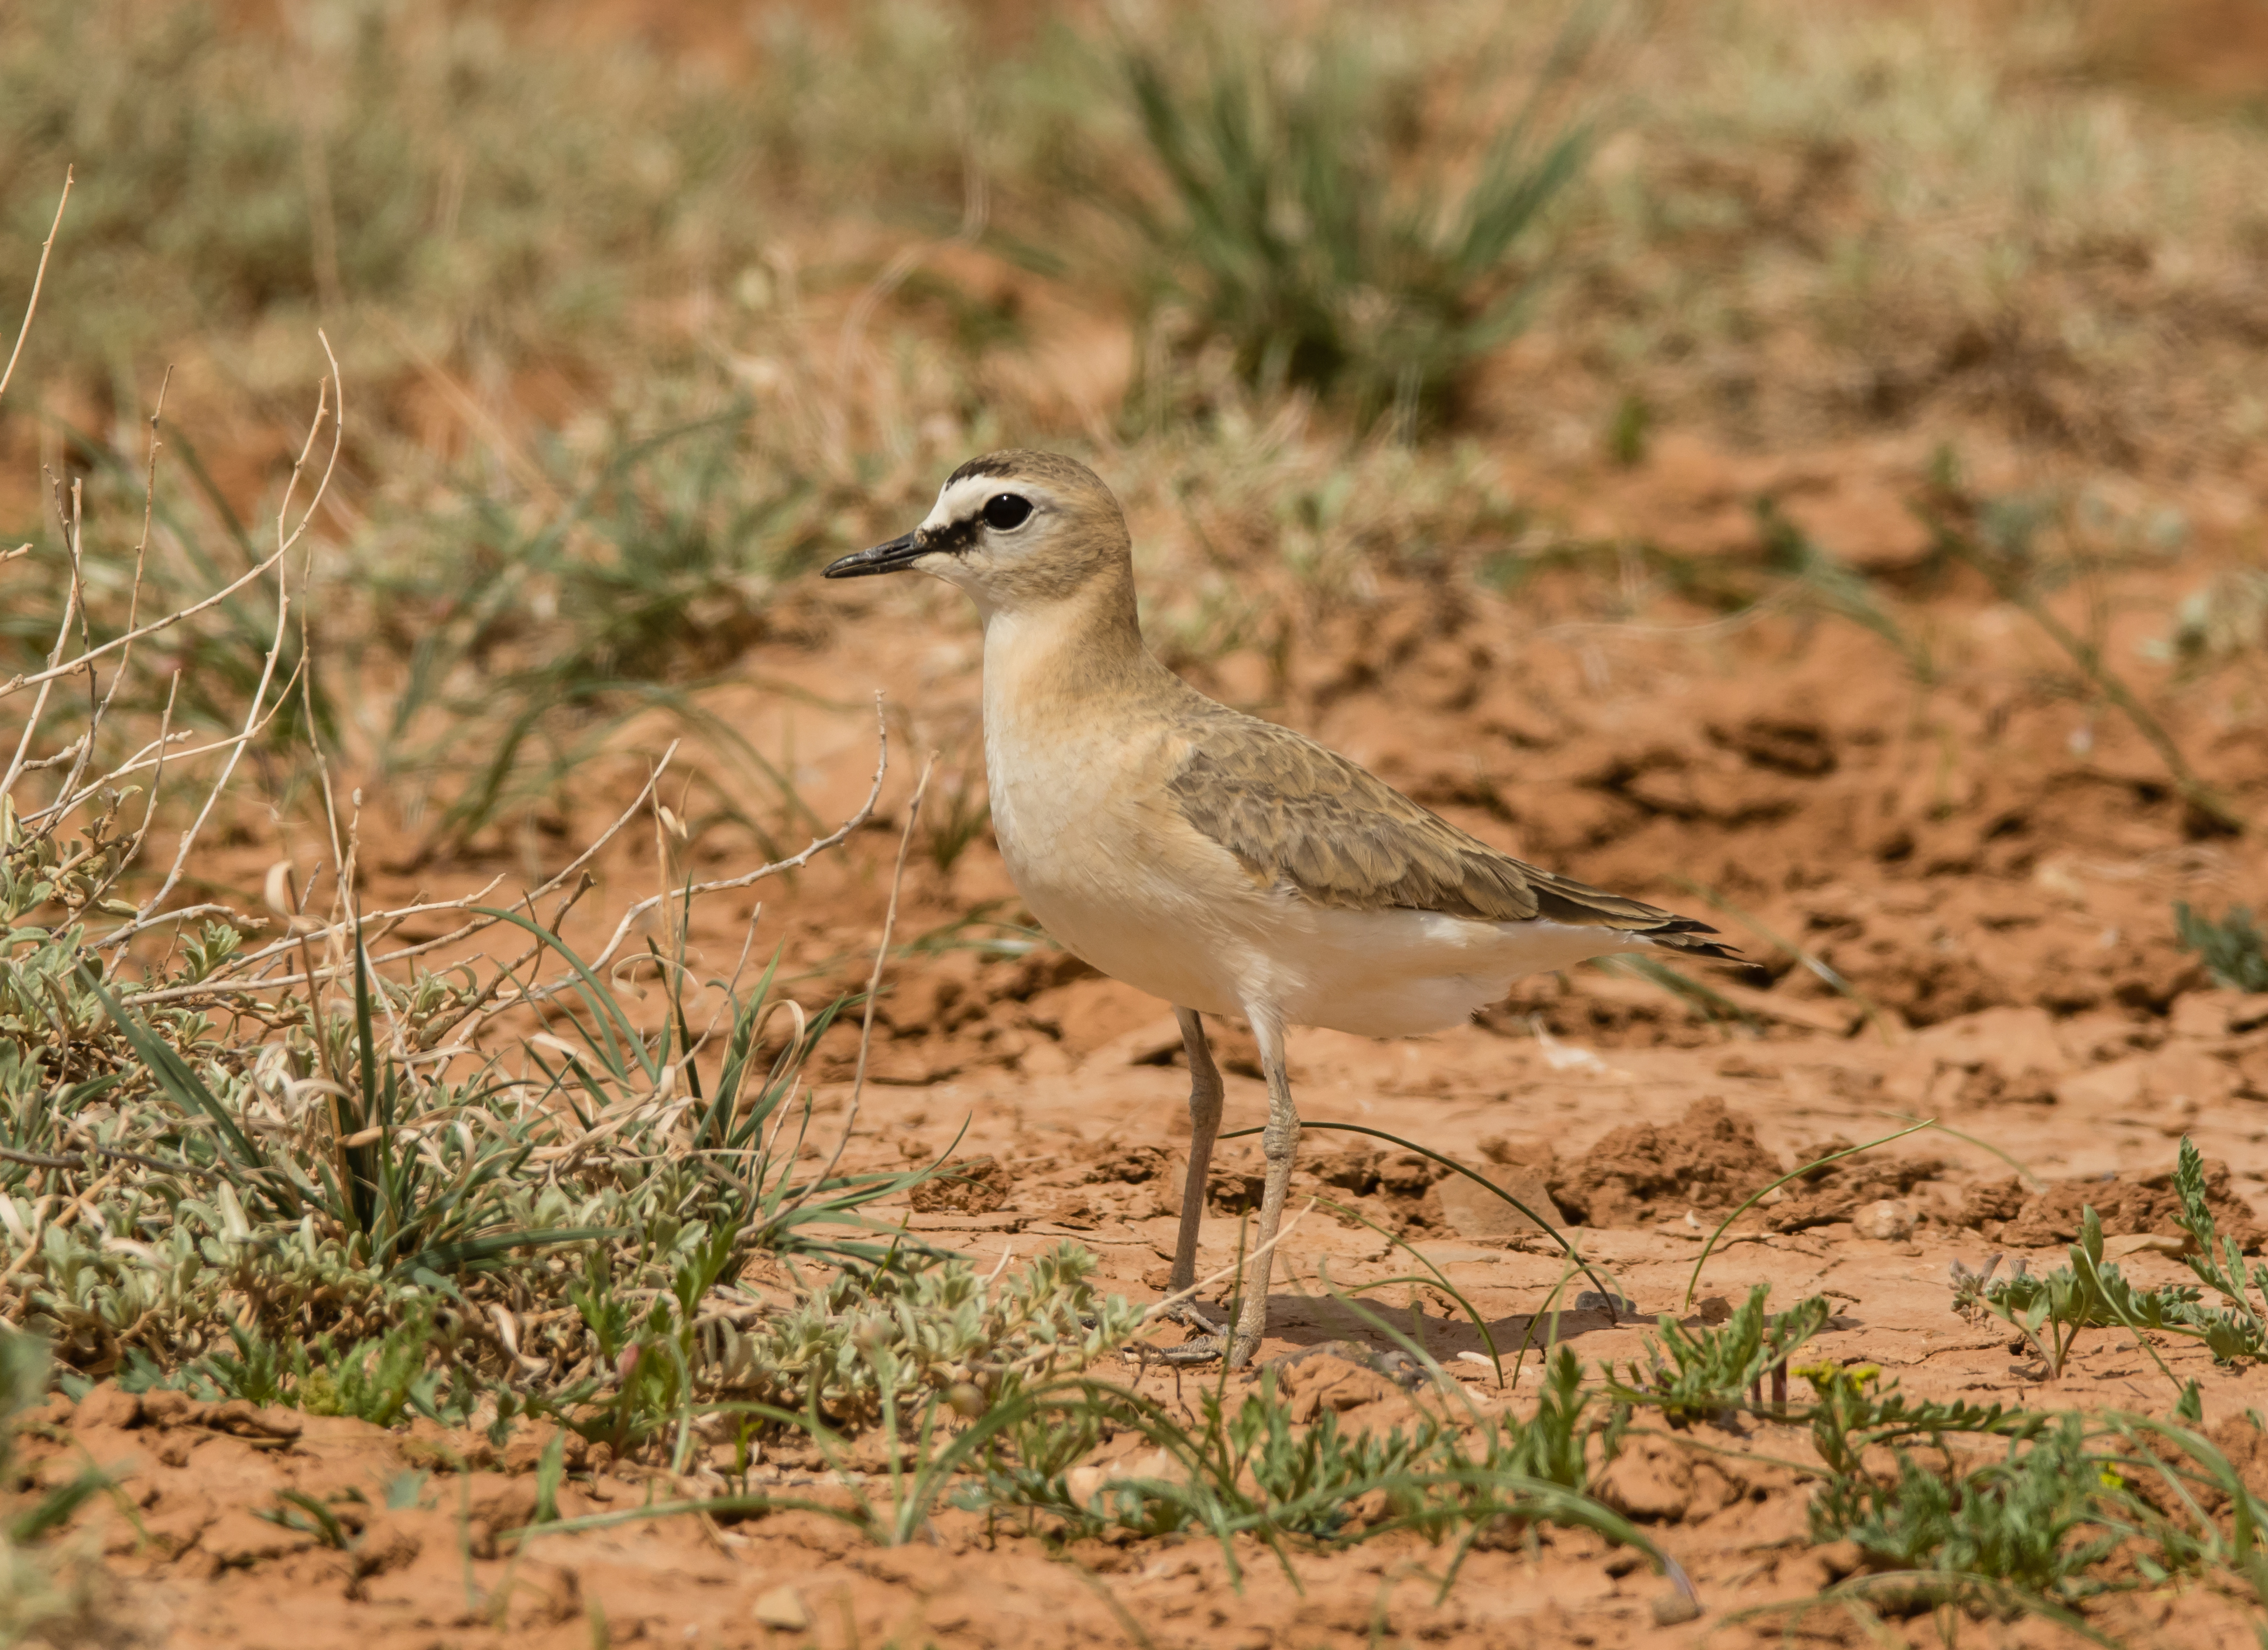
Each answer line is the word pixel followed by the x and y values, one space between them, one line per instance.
pixel 1199 1349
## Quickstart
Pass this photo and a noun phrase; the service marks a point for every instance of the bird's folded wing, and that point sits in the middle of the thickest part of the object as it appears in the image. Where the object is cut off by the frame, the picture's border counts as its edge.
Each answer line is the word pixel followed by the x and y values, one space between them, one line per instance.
pixel 1292 812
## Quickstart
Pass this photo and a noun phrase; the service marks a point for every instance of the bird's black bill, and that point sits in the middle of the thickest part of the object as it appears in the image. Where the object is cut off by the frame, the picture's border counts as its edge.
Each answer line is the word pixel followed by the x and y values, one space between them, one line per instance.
pixel 883 559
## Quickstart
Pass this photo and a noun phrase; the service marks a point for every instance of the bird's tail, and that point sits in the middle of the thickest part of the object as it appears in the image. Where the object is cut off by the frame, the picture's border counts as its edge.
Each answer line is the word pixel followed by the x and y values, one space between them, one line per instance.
pixel 1688 935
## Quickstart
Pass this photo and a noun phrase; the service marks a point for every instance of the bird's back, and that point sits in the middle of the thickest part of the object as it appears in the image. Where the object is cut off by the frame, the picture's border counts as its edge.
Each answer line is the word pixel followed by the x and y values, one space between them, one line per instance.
pixel 1298 814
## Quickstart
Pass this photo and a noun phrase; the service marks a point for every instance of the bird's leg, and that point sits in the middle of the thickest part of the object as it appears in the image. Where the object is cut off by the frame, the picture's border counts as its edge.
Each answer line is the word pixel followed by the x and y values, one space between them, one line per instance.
pixel 1204 1128
pixel 1279 1142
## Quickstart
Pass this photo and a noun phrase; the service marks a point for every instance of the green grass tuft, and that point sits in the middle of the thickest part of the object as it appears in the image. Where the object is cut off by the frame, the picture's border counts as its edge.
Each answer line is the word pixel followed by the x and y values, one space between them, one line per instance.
pixel 1302 229
pixel 2235 949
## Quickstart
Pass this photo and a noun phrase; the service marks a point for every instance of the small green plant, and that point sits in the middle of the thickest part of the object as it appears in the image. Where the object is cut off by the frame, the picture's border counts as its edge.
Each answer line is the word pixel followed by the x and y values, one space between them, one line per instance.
pixel 2072 1508
pixel 2241 1329
pixel 1551 1445
pixel 888 1333
pixel 2051 1310
pixel 1242 1467
pixel 297 1510
pixel 382 1379
pixel 1711 1373
pixel 401 1212
pixel 2235 949
pixel 1852 1411
pixel 2036 1522
pixel 1308 1476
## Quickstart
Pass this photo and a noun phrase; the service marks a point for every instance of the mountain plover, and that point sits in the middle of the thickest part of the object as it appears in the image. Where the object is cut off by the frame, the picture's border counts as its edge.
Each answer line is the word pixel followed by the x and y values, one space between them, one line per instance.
pixel 1230 866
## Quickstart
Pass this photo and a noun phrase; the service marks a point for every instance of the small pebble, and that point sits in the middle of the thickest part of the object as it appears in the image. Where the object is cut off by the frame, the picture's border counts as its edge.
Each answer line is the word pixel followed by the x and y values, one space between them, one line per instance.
pixel 1890 1222
pixel 781 1607
pixel 1670 1609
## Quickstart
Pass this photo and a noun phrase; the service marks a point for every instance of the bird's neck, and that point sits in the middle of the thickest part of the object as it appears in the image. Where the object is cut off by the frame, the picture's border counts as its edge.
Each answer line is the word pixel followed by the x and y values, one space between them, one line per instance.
pixel 1069 655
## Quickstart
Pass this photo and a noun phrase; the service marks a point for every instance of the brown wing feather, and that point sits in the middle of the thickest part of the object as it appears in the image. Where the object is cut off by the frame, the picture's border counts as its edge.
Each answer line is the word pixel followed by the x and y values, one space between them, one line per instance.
pixel 1294 812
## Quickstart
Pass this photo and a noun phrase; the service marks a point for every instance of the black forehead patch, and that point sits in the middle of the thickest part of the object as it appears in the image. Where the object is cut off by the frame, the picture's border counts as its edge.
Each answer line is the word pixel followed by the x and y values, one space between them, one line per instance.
pixel 955 537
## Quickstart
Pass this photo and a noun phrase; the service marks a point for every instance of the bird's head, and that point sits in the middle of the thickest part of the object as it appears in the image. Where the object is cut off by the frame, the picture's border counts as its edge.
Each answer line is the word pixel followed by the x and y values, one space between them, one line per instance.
pixel 1017 531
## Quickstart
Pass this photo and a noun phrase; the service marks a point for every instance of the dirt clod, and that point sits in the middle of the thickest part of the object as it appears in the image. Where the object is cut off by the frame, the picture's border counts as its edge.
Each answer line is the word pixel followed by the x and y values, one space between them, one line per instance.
pixel 1473 1211
pixel 975 1185
pixel 109 1405
pixel 1232 1191
pixel 1985 1207
pixel 1841 1190
pixel 1708 1159
pixel 1354 1169
pixel 1129 1165
pixel 1651 1481
pixel 2128 1206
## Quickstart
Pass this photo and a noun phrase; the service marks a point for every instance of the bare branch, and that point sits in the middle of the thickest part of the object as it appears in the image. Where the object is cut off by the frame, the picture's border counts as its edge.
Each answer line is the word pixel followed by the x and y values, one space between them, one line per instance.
pixel 233 983
pixel 133 600
pixel 875 978
pixel 149 806
pixel 16 684
pixel 46 681
pixel 38 280
pixel 793 862
pixel 253 960
pixel 253 719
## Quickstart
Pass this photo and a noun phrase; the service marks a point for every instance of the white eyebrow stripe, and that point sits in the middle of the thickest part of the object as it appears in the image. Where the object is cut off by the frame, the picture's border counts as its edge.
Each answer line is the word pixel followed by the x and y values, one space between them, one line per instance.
pixel 960 500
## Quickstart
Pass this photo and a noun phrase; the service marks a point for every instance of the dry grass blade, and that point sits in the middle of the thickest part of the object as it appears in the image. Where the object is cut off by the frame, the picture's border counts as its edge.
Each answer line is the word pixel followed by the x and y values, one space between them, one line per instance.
pixel 258 713
pixel 875 976
pixel 38 279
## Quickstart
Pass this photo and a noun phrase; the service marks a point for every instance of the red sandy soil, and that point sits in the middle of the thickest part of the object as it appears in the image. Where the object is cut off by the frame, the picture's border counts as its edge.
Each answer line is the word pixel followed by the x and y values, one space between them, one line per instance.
pixel 1989 863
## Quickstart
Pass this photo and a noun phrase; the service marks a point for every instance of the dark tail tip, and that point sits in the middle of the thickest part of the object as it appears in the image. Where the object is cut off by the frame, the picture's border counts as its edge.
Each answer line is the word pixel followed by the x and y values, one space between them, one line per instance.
pixel 1685 934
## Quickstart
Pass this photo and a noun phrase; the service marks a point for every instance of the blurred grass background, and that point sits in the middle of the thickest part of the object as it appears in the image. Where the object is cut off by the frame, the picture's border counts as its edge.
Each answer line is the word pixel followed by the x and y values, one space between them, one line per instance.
pixel 643 308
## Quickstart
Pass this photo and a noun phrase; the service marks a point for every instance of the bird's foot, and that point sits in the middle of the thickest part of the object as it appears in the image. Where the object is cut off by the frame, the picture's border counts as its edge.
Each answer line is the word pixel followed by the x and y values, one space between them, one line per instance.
pixel 1200 1349
pixel 1190 1315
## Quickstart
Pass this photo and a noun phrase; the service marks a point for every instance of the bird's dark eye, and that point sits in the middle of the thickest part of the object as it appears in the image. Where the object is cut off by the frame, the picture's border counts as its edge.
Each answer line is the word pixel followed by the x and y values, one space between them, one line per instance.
pixel 1005 512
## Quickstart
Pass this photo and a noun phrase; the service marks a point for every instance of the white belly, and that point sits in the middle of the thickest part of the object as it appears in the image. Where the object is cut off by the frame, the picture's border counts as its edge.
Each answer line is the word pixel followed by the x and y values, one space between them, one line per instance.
pixel 1394 973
